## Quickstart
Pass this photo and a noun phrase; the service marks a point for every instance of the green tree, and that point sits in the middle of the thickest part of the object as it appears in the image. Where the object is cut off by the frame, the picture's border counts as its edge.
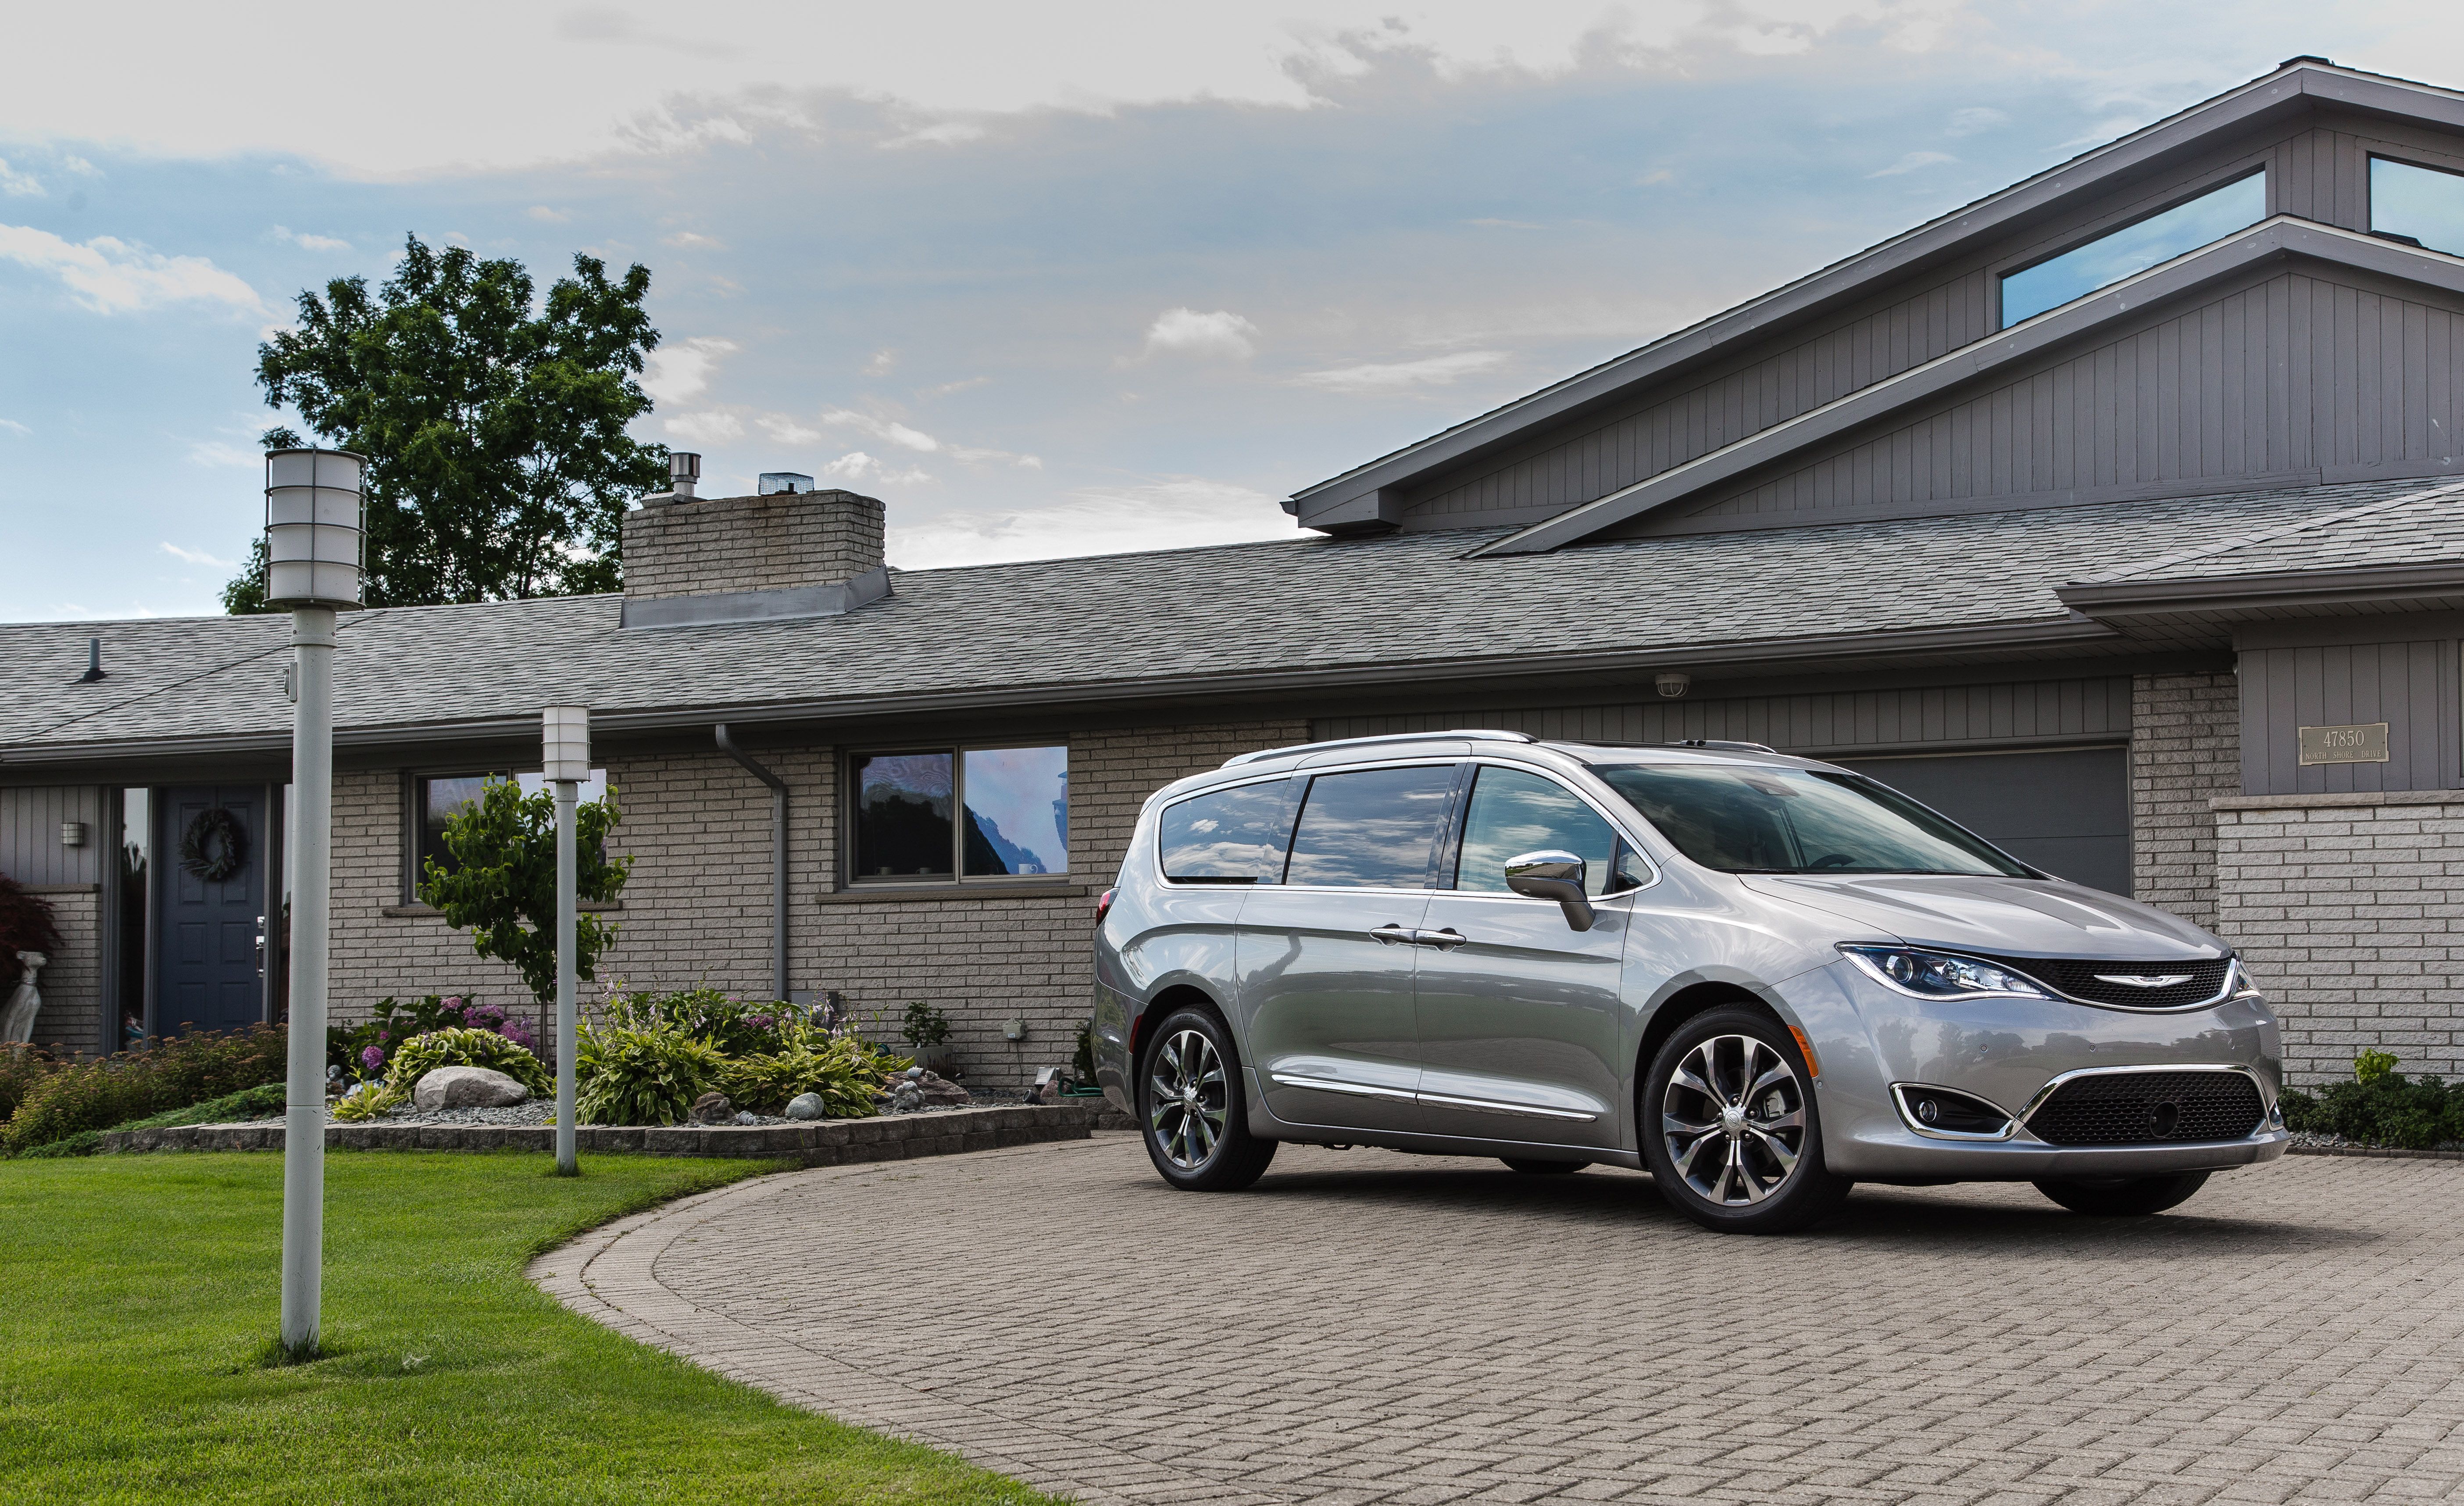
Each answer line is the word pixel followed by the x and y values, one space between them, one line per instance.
pixel 494 423
pixel 500 885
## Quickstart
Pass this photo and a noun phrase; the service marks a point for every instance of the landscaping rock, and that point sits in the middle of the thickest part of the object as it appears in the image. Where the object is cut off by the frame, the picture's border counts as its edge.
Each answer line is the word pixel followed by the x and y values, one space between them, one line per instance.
pixel 468 1088
pixel 804 1106
pixel 713 1107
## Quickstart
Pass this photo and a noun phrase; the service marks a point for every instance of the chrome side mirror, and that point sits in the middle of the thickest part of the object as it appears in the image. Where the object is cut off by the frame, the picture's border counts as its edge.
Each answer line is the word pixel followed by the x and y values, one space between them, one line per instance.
pixel 1553 875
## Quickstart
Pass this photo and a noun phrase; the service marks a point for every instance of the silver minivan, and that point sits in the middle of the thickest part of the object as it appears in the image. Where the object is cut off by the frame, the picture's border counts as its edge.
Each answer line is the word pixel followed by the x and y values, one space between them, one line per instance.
pixel 1762 979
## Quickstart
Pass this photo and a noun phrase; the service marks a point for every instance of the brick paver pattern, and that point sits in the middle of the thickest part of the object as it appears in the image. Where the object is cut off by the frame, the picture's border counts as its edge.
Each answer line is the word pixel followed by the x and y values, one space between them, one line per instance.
pixel 1364 1326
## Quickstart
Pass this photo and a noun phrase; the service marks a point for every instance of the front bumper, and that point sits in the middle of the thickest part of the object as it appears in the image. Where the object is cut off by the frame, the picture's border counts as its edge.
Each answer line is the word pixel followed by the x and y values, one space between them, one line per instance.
pixel 2005 1052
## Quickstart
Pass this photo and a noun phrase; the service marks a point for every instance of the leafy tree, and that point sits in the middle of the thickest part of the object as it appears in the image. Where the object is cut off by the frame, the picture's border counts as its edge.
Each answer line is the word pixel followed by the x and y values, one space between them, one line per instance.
pixel 494 423
pixel 501 883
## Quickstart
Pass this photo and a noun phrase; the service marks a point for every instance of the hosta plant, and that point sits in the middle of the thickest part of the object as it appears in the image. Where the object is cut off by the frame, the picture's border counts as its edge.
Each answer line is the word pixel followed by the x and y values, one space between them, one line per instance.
pixel 455 1046
pixel 642 1075
pixel 846 1071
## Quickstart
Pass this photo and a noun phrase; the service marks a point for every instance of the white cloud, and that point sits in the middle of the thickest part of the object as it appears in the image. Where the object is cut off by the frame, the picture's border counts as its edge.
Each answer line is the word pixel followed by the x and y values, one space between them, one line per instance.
pixel 217 451
pixel 786 430
pixel 857 466
pixel 890 429
pixel 688 240
pixel 196 556
pixel 881 360
pixel 17 184
pixel 705 429
pixel 110 275
pixel 948 388
pixel 947 133
pixel 1978 118
pixel 306 242
pixel 681 368
pixel 546 216
pixel 15 427
pixel 1393 376
pixel 1185 331
pixel 1177 514
pixel 1913 162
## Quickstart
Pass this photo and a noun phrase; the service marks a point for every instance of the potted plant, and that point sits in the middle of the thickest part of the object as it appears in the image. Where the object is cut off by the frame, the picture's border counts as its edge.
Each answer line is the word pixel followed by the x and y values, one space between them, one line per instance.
pixel 926 1031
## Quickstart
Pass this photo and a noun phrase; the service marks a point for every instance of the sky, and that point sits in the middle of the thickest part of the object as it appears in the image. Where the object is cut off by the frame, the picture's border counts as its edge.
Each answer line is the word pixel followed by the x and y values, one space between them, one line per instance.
pixel 1067 278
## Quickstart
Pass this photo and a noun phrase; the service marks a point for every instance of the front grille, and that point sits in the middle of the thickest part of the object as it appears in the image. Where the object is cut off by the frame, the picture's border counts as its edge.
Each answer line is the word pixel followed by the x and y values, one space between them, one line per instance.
pixel 2080 979
pixel 2148 1108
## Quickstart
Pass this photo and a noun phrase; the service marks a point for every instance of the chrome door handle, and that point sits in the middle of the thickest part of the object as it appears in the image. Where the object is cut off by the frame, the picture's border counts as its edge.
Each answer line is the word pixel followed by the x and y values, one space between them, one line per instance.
pixel 1390 935
pixel 1444 940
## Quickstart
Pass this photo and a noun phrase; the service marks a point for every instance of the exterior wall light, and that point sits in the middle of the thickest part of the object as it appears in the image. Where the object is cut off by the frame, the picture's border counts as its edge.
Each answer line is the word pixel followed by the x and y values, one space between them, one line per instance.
pixel 72 833
pixel 315 528
pixel 1673 686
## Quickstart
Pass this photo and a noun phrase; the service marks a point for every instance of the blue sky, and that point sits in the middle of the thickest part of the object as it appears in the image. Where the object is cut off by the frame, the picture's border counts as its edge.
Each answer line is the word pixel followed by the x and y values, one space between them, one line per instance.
pixel 1048 280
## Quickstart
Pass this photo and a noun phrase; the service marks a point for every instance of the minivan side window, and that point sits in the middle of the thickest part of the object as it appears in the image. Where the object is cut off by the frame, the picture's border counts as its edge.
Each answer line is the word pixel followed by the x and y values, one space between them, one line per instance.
pixel 1371 828
pixel 1513 812
pixel 1228 836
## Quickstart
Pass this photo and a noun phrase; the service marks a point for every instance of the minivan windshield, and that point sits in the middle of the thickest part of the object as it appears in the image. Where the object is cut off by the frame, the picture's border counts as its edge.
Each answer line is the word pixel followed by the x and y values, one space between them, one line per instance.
pixel 1744 820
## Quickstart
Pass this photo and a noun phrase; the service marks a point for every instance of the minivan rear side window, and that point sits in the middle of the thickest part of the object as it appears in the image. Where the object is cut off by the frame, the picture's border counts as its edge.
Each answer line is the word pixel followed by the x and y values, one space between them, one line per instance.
pixel 1372 828
pixel 1228 836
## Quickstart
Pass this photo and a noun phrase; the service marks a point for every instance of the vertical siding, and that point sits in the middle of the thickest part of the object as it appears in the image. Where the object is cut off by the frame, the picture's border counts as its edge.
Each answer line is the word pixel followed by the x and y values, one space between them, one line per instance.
pixel 29 834
pixel 2022 712
pixel 2413 687
pixel 2298 371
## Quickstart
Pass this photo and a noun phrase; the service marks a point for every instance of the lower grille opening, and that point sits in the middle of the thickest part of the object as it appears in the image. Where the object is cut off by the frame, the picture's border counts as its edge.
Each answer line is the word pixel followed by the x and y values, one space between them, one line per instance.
pixel 1949 1113
pixel 2148 1108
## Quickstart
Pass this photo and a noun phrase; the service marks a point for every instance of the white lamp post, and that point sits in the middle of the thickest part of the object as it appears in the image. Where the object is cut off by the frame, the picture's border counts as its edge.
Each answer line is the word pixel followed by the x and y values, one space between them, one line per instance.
pixel 314 523
pixel 565 741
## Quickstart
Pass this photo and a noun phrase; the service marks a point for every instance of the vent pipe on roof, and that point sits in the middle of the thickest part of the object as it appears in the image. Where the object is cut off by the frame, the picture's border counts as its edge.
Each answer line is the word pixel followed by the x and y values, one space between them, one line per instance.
pixel 93 662
pixel 684 473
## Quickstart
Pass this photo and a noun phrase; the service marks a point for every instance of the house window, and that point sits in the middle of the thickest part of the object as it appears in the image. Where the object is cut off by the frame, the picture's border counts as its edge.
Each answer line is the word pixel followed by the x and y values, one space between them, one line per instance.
pixel 960 814
pixel 2423 205
pixel 2133 249
pixel 437 797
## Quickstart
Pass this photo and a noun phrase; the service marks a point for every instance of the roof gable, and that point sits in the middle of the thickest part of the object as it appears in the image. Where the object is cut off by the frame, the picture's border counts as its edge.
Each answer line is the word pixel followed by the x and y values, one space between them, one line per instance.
pixel 2110 180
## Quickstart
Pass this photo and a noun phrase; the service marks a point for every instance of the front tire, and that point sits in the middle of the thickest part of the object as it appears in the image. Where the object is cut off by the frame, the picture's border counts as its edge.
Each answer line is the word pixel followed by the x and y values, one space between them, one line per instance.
pixel 1730 1132
pixel 1192 1113
pixel 2125 1197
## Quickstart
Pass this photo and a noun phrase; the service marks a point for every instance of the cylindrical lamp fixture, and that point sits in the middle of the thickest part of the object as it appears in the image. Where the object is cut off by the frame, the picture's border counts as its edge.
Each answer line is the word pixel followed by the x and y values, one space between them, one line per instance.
pixel 72 833
pixel 564 736
pixel 315 523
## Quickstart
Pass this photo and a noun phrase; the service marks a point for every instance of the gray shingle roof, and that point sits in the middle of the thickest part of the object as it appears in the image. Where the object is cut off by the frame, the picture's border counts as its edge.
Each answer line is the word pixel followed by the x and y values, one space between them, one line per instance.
pixel 2417 526
pixel 1096 628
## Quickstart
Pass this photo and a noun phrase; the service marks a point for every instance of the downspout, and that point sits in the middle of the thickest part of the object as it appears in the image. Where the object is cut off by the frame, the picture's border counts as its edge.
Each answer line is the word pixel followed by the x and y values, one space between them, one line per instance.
pixel 778 858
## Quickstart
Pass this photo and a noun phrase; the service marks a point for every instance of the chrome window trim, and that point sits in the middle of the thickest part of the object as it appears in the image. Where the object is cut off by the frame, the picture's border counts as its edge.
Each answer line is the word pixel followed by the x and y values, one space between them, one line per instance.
pixel 2266 1100
pixel 2010 1129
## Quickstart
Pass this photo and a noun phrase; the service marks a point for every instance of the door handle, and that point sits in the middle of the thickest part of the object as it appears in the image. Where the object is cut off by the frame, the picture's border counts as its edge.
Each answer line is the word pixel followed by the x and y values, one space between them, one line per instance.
pixel 1391 934
pixel 1444 940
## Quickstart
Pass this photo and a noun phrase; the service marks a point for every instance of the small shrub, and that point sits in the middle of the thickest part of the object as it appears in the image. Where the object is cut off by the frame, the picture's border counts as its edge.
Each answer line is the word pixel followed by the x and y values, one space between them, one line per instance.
pixel 924 1027
pixel 2380 1107
pixel 737 1027
pixel 846 1071
pixel 21 1067
pixel 642 1073
pixel 170 1075
pixel 365 1050
pixel 462 1045
pixel 250 1103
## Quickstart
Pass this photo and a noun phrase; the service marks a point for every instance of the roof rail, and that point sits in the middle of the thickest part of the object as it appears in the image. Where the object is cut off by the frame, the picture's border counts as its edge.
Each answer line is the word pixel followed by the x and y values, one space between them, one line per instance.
pixel 1458 735
pixel 1720 742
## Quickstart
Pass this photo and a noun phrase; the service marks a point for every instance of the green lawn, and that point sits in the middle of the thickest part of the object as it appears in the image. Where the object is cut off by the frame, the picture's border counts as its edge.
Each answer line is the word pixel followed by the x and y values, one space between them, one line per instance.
pixel 137 1294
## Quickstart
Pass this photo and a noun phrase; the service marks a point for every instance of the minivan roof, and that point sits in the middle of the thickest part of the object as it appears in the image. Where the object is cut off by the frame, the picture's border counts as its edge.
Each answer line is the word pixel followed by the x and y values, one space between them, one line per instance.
pixel 1686 750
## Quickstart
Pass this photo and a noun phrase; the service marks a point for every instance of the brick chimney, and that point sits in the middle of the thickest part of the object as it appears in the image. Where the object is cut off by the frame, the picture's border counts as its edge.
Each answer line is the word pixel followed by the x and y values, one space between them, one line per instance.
pixel 785 554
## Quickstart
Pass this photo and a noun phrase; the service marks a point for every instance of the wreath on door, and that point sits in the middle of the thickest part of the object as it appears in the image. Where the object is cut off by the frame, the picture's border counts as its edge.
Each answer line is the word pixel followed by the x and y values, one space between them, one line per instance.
pixel 215 846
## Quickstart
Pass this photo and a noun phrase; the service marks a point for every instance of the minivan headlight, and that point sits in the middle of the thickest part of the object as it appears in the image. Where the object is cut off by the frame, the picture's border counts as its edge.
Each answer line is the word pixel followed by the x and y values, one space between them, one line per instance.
pixel 1942 975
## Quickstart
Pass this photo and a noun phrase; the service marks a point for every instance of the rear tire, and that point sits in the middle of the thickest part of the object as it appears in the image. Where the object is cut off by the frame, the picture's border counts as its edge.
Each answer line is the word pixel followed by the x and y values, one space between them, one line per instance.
pixel 2125 1197
pixel 1730 1132
pixel 1542 1168
pixel 1191 1114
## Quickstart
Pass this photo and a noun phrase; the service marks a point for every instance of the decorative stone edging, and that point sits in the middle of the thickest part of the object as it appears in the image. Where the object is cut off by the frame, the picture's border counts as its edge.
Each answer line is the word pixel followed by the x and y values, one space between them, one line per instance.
pixel 828 1143
pixel 2375 1152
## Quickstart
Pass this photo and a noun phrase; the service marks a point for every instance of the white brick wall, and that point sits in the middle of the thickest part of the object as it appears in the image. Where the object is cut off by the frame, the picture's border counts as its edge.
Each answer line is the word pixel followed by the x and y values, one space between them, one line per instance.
pixel 2347 910
pixel 71 980
pixel 2185 751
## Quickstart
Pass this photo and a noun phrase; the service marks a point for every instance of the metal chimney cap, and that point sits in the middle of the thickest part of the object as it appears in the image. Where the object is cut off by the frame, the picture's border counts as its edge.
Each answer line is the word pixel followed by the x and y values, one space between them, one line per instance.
pixel 684 471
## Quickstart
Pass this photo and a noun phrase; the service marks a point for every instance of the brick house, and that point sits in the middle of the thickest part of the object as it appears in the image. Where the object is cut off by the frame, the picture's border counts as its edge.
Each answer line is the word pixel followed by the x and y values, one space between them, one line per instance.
pixel 2118 514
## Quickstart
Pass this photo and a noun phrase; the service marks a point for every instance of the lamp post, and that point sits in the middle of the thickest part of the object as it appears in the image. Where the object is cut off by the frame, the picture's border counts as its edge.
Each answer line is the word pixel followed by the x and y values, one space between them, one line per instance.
pixel 314 523
pixel 565 733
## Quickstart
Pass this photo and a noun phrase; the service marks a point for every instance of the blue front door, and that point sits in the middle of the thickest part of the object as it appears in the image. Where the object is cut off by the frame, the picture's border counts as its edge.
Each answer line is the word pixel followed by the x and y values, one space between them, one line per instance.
pixel 205 956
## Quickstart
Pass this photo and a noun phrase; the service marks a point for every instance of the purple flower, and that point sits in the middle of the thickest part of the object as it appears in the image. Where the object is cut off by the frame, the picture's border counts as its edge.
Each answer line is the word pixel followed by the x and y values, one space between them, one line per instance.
pixel 383 1036
pixel 762 1022
pixel 372 1059
pixel 455 1003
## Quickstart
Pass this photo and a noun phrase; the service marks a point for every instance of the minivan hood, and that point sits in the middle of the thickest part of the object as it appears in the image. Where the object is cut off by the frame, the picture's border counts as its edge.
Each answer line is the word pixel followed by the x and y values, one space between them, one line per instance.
pixel 2001 917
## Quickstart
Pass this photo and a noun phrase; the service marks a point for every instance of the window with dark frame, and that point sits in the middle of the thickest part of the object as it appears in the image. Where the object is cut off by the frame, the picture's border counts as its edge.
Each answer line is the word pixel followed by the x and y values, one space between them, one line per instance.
pixel 962 814
pixel 435 799
pixel 2199 220
pixel 2417 203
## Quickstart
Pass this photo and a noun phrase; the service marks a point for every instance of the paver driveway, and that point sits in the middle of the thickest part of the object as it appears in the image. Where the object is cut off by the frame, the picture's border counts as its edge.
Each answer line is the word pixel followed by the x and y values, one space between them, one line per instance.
pixel 1365 1326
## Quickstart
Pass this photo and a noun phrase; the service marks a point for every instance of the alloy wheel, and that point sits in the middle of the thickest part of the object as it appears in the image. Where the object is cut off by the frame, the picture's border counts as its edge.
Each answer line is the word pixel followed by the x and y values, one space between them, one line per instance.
pixel 1185 1097
pixel 1733 1121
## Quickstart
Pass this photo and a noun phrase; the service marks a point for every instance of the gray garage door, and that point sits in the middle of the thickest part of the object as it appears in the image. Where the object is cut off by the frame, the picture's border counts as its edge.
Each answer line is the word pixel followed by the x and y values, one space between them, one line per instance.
pixel 2068 813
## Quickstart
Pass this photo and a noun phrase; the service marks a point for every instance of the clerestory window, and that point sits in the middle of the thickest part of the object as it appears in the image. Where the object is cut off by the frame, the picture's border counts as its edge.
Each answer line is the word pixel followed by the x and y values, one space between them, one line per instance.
pixel 2421 205
pixel 2134 248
